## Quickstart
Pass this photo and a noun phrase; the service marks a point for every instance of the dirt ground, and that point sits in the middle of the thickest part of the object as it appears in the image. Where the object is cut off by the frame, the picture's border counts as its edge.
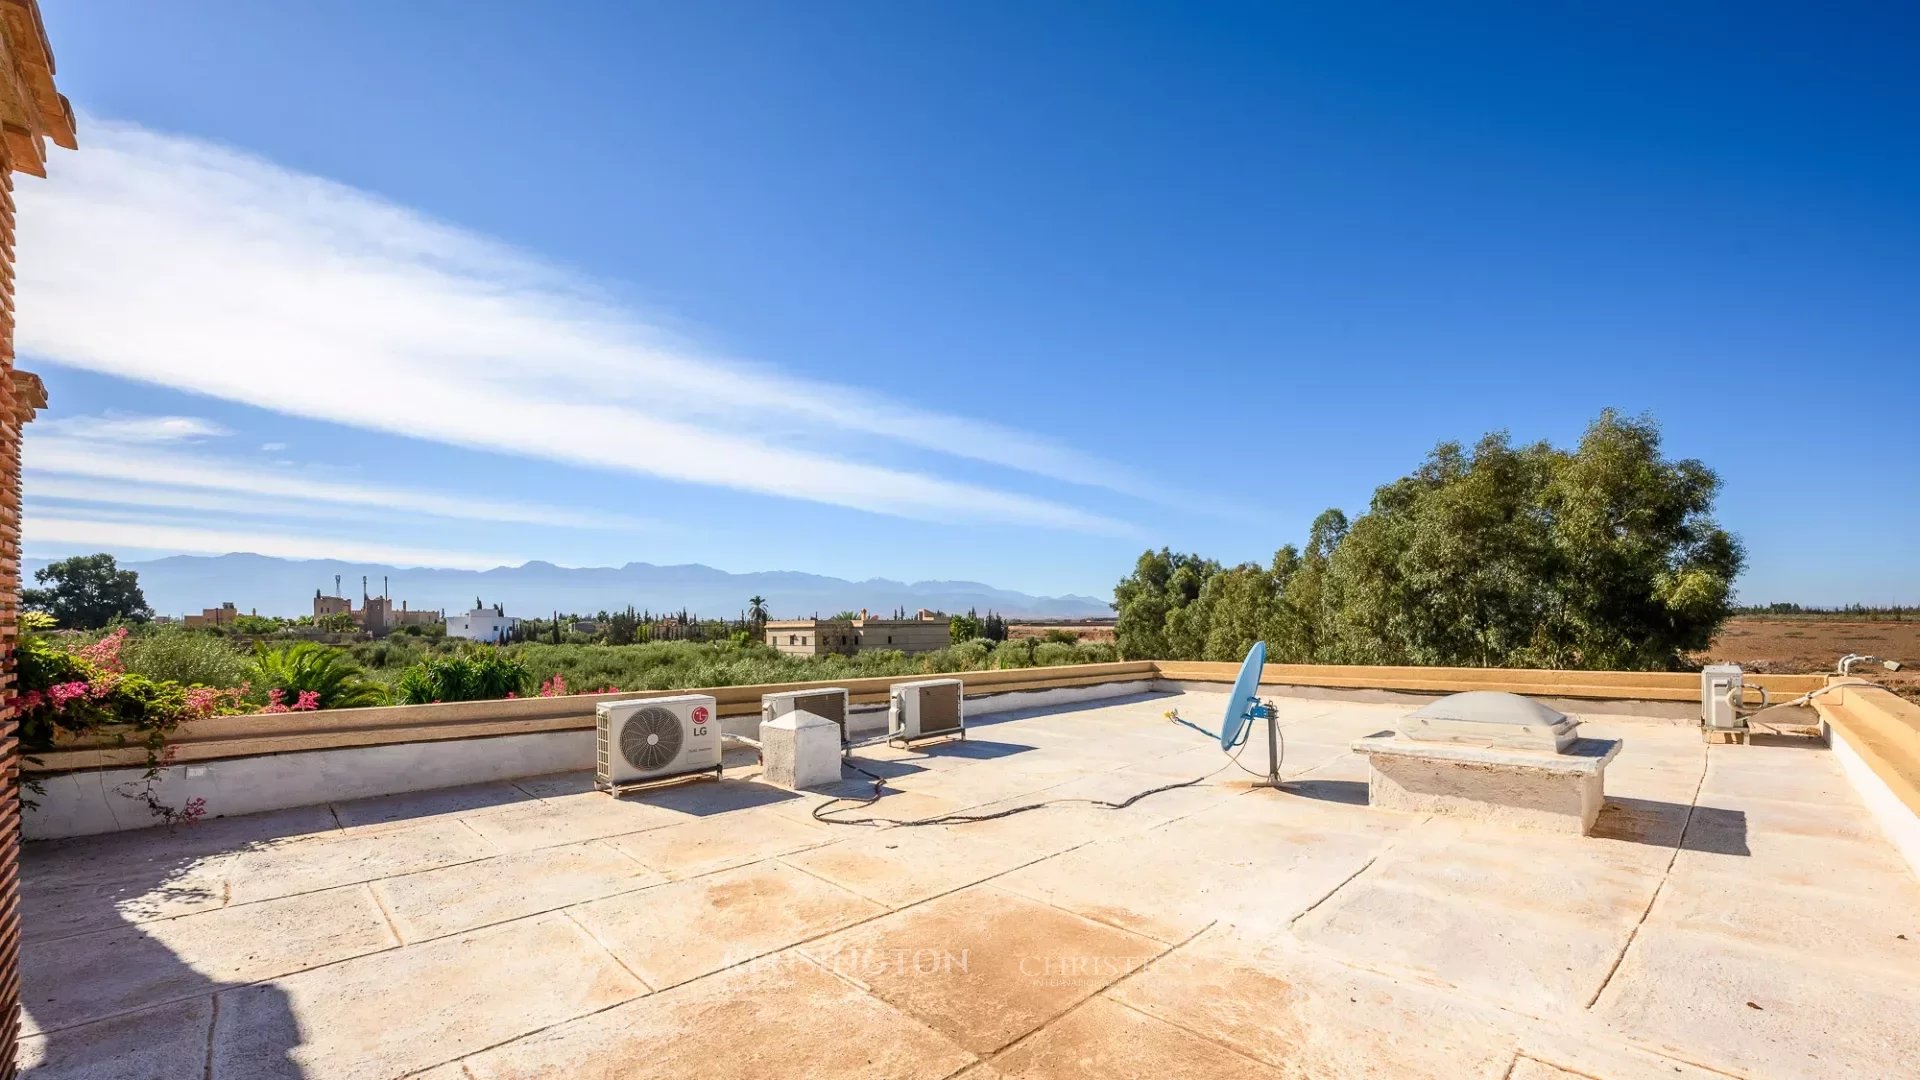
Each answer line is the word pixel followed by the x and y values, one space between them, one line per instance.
pixel 1805 645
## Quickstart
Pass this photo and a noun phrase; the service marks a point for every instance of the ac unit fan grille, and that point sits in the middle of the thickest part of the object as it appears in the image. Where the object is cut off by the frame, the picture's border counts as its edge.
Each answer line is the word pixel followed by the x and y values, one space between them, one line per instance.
pixel 651 738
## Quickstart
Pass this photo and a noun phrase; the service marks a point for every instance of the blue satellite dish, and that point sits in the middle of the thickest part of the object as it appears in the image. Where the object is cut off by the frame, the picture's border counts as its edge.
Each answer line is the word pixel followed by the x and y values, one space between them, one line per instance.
pixel 1244 701
pixel 1243 708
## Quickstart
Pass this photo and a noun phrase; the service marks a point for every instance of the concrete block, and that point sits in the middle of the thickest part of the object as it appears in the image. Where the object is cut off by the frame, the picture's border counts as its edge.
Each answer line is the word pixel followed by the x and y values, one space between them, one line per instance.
pixel 1532 789
pixel 801 750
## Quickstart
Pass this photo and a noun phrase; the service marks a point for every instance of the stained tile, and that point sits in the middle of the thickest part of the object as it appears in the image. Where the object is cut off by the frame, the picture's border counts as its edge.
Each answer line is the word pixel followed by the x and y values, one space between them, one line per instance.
pixel 719 920
pixel 782 1017
pixel 983 966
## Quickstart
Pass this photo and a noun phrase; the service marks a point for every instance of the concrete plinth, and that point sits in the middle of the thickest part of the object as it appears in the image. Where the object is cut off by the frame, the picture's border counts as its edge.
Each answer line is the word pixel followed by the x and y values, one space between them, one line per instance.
pixel 800 750
pixel 1529 788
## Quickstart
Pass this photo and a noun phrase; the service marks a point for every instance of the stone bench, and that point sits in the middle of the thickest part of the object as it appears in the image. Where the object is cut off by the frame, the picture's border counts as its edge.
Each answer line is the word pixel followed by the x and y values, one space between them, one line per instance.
pixel 1533 788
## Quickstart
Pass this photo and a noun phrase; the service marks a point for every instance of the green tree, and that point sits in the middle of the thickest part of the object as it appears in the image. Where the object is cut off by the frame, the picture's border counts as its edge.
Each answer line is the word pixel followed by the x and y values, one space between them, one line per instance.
pixel 757 613
pixel 87 592
pixel 257 624
pixel 965 627
pixel 1603 556
pixel 621 627
pixel 1643 573
pixel 1162 583
pixel 1308 618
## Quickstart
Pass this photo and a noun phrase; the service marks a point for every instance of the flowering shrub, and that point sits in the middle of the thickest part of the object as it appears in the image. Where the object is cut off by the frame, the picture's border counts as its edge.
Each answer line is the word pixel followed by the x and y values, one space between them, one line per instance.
pixel 557 687
pixel 307 701
pixel 83 690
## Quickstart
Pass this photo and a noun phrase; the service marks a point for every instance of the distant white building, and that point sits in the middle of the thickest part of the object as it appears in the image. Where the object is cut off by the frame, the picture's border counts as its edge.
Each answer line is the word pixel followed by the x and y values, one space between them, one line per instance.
pixel 490 624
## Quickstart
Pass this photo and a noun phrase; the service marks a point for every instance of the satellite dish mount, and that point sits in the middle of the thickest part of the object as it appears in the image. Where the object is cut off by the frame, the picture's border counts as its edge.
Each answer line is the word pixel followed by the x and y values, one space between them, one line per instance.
pixel 1243 708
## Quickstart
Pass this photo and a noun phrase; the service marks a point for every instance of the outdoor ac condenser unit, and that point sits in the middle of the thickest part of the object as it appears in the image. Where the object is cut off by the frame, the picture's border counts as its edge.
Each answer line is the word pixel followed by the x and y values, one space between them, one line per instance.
pixel 1720 690
pixel 924 709
pixel 827 701
pixel 654 738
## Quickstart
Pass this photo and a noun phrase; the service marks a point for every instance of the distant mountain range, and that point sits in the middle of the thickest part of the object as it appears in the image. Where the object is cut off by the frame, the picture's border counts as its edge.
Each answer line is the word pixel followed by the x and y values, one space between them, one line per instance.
pixel 187 583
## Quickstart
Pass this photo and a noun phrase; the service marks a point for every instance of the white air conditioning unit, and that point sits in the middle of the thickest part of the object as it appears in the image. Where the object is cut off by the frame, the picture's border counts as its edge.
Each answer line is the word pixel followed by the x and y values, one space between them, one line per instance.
pixel 654 738
pixel 1721 688
pixel 827 701
pixel 924 709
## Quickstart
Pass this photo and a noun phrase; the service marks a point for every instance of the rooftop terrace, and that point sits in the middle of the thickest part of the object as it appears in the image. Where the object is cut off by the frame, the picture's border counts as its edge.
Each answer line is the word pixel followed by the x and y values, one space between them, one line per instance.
pixel 1738 912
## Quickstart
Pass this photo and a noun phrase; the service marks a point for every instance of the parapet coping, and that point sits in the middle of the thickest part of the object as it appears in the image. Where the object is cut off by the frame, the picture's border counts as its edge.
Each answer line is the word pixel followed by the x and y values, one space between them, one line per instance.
pixel 1583 757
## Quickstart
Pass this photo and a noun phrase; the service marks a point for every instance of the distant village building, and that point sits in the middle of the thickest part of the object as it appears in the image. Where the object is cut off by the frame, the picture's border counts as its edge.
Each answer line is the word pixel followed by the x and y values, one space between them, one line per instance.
pixel 376 615
pixel 490 624
pixel 926 632
pixel 213 616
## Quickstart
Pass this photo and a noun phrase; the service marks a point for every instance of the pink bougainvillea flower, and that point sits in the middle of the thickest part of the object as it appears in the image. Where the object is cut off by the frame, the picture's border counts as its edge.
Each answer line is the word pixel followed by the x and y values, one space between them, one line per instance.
pixel 105 653
pixel 309 701
pixel 61 693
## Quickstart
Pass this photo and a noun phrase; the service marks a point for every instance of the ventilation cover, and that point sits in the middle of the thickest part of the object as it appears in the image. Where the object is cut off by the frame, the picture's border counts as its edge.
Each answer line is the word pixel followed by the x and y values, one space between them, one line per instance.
pixel 1491 718
pixel 651 738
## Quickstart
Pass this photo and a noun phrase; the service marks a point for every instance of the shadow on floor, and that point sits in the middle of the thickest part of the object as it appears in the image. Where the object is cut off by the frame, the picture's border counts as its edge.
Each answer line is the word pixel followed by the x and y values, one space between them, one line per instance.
pixel 1669 824
pixel 1808 740
pixel 977 749
pixel 116 1000
pixel 1349 792
pixel 703 796
pixel 1718 831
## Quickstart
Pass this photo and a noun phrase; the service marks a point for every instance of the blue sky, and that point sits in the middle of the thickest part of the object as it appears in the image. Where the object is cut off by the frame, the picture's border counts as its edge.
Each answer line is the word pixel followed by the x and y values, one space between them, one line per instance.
pixel 999 292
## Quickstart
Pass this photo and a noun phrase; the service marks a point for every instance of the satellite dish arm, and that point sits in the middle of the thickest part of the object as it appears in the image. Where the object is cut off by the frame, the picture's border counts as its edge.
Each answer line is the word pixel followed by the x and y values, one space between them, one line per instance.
pixel 1174 715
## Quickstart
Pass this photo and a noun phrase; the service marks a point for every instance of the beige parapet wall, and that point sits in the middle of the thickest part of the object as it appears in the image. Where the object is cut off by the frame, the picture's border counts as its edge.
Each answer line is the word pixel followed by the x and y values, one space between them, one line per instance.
pixel 279 733
pixel 241 736
pixel 1537 682
pixel 1875 734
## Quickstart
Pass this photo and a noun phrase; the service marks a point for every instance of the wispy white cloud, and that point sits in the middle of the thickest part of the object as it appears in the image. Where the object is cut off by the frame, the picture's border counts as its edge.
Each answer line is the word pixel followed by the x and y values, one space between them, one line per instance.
pixel 68 466
pixel 229 276
pixel 124 428
pixel 146 535
pixel 272 447
pixel 69 496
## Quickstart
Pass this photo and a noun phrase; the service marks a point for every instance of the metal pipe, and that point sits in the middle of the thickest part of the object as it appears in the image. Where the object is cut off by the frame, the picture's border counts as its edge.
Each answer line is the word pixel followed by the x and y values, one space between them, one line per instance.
pixel 1845 666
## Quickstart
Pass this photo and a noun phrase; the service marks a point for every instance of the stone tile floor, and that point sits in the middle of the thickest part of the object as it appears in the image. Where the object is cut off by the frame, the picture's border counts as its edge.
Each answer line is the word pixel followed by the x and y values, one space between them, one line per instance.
pixel 1736 914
